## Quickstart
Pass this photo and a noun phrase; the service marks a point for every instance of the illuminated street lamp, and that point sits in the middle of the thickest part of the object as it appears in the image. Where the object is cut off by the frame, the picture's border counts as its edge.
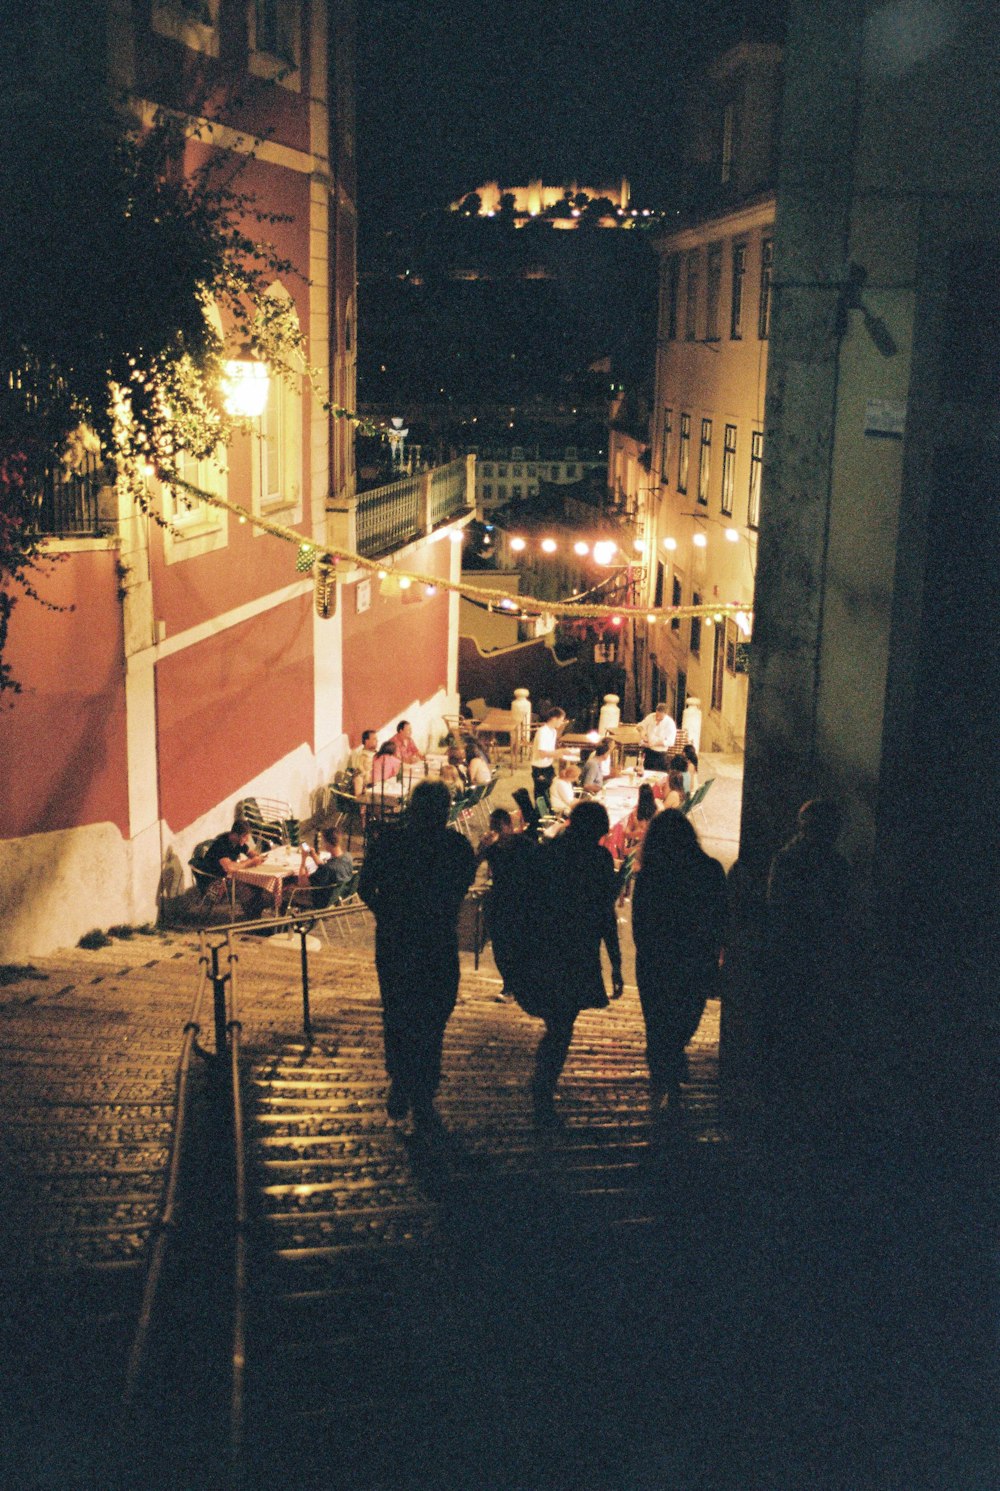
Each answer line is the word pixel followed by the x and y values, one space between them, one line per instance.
pixel 245 386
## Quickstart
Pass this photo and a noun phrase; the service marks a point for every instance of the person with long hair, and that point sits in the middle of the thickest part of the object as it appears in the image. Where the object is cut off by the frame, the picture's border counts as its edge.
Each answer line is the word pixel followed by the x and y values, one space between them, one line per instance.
pixel 626 837
pixel 574 915
pixel 678 921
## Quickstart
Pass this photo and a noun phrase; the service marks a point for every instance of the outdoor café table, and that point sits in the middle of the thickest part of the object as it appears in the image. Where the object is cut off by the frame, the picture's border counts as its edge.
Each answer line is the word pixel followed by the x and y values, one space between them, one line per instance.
pixel 281 864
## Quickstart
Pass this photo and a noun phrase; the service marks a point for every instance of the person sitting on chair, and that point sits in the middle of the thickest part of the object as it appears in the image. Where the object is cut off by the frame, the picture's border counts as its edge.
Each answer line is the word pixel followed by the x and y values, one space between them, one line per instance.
pixel 360 761
pixel 671 790
pixel 333 866
pixel 657 734
pixel 405 746
pixel 596 768
pixel 387 765
pixel 561 793
pixel 478 771
pixel 226 853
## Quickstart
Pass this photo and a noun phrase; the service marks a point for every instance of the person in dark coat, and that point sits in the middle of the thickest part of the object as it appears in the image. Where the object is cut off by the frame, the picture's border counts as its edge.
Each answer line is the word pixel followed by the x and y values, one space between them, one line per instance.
pixel 414 879
pixel 805 948
pixel 571 915
pixel 678 919
pixel 513 860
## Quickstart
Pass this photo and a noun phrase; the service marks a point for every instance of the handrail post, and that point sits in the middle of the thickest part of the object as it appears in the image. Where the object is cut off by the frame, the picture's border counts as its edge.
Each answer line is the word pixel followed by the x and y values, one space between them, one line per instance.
pixel 219 1003
pixel 303 931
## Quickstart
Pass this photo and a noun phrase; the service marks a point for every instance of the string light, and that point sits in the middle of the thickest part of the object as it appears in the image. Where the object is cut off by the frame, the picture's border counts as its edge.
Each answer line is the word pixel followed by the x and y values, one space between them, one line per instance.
pixel 700 541
pixel 732 535
pixel 581 548
pixel 670 543
pixel 604 551
pixel 549 546
pixel 517 544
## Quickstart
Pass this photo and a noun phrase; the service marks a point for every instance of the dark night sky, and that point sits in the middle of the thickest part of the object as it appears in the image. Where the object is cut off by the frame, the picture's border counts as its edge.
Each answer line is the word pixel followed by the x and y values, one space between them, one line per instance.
pixel 453 92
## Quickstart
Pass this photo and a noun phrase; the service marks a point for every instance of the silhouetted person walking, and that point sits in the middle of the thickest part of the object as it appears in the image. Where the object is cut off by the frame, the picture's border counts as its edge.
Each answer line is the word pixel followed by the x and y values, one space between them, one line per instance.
pixel 414 878
pixel 806 937
pixel 678 922
pixel 513 859
pixel 572 914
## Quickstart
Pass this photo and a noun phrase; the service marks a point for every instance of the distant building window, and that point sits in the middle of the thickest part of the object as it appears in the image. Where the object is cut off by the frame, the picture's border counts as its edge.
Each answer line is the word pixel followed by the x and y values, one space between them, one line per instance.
pixel 683 453
pixel 675 600
pixel 766 267
pixel 501 493
pixel 756 466
pixel 501 471
pixel 668 429
pixel 517 492
pixel 486 468
pixel 696 626
pixel 570 472
pixel 728 469
pixel 732 637
pixel 194 526
pixel 517 471
pixel 704 461
pixel 556 471
pixel 194 23
pixel 691 303
pixel 661 577
pixel 736 304
pixel 532 470
pixel 728 143
pixel 713 292
pixel 275 29
pixel 487 491
pixel 673 294
pixel 718 665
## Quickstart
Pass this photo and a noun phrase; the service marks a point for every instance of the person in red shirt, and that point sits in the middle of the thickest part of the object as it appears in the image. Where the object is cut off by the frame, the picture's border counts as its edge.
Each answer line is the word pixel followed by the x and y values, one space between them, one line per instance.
pixel 404 746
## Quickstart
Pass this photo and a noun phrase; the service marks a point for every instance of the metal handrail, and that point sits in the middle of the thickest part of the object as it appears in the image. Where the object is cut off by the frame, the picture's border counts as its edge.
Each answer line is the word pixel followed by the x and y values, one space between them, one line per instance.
pixel 166 1221
pixel 236 1418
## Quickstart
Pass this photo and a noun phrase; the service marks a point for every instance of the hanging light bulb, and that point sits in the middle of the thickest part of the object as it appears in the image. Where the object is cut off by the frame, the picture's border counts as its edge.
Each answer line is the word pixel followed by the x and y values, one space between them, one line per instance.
pixel 605 550
pixel 549 546
pixel 616 621
pixel 430 590
pixel 405 582
pixel 732 535
pixel 638 545
pixel 581 548
pixel 670 543
pixel 517 544
pixel 700 541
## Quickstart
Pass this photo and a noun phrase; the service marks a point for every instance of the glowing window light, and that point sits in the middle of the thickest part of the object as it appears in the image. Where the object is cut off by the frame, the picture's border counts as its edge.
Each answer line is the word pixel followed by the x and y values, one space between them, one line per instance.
pixel 549 546
pixel 670 544
pixel 700 541
pixel 604 551
pixel 580 547
pixel 732 535
pixel 518 544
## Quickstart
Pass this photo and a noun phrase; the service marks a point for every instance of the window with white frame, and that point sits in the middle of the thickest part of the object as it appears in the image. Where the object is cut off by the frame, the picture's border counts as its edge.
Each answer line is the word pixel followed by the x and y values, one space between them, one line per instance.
pixel 277 474
pixel 756 467
pixel 704 461
pixel 275 36
pixel 194 526
pixel 683 453
pixel 668 430
pixel 728 469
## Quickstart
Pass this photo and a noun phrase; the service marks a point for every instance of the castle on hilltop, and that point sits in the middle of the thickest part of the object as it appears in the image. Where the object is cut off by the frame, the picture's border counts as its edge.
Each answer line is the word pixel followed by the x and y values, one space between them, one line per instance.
pixel 536 199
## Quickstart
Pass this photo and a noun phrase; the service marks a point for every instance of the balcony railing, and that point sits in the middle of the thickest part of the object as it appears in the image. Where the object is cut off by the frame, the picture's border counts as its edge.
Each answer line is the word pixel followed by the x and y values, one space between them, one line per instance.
pixel 65 504
pixel 389 517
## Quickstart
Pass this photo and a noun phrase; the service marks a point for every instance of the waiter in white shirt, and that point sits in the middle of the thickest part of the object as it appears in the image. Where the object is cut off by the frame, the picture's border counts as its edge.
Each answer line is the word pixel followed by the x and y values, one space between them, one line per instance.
pixel 657 734
pixel 544 750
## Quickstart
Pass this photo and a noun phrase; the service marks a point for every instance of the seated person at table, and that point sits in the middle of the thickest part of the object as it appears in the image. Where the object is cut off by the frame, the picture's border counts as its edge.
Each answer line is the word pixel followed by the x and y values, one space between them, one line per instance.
pixel 456 759
pixel 657 734
pixel 228 852
pixel 596 768
pixel 359 762
pixel 478 772
pixel 692 759
pixel 405 745
pixel 332 867
pixel 671 790
pixel 387 765
pixel 561 793
pixel 452 778
pixel 627 836
pixel 682 765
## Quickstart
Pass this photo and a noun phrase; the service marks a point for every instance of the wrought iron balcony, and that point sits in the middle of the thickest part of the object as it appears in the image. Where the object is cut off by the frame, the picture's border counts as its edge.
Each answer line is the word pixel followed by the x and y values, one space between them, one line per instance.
pixel 64 504
pixel 389 517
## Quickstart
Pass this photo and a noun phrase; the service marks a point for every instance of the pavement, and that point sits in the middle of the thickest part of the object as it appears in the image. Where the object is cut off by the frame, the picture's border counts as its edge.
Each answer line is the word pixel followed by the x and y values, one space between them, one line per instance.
pixel 714 1303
